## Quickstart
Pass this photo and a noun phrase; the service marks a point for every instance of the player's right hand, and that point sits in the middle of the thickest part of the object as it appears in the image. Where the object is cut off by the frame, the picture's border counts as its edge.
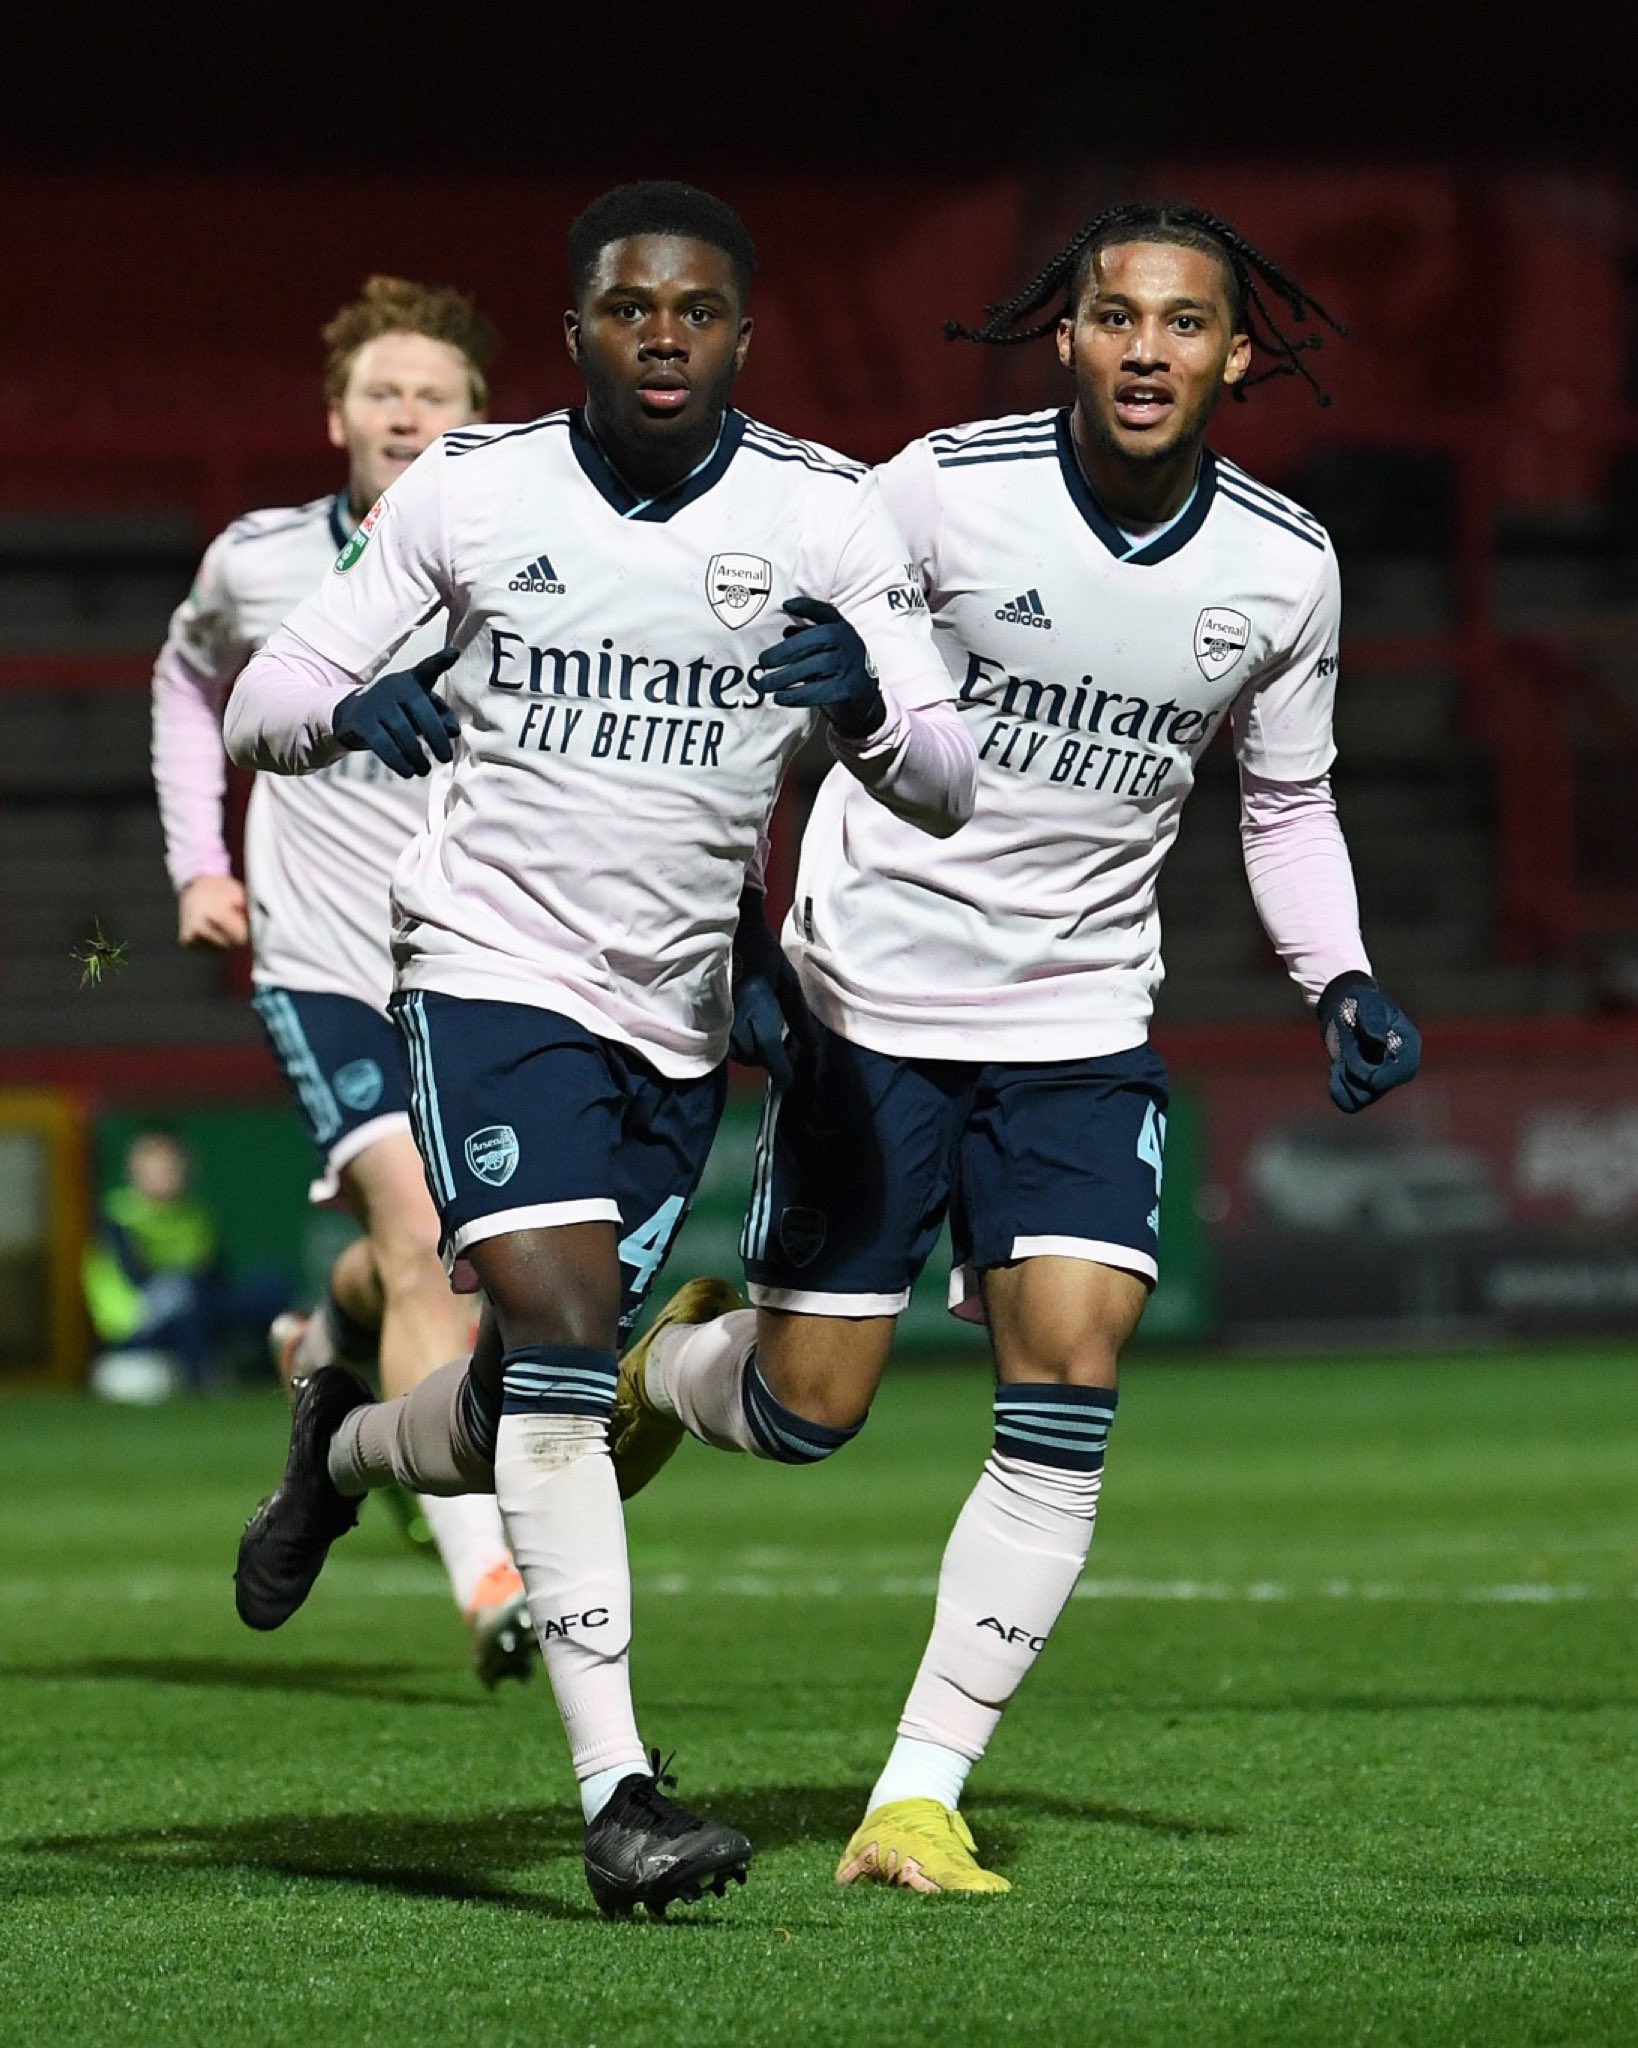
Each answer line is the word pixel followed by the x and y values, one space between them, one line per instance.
pixel 770 1017
pixel 397 717
pixel 211 911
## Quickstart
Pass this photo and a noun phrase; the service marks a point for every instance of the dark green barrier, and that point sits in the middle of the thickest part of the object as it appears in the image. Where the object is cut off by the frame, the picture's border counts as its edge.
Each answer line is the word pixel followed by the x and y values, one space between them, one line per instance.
pixel 252 1167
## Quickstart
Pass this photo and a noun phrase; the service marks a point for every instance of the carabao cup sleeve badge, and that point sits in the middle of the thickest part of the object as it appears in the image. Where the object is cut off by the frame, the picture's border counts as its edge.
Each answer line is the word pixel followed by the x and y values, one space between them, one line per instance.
pixel 359 539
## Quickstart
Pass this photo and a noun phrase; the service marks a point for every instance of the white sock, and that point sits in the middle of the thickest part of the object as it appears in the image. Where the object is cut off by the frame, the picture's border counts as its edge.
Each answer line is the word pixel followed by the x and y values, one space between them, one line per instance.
pixel 470 1540
pixel 921 1770
pixel 694 1371
pixel 1017 1549
pixel 597 1790
pixel 315 1347
pixel 558 1498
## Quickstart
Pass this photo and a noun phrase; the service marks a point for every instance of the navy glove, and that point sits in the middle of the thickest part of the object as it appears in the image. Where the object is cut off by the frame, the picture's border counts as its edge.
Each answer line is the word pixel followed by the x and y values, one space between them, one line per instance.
pixel 397 713
pixel 823 663
pixel 767 997
pixel 1373 1045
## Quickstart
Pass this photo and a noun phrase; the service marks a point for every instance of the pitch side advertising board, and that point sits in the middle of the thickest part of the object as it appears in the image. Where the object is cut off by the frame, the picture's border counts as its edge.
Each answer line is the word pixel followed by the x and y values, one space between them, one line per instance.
pixel 1496 1197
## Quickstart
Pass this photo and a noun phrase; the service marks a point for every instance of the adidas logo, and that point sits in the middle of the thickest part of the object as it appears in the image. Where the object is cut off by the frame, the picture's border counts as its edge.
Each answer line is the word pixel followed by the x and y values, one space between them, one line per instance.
pixel 1027 610
pixel 539 578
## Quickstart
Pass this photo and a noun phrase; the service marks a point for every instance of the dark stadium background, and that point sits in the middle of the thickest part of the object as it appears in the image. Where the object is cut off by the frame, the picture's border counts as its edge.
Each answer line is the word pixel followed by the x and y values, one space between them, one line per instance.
pixel 187 196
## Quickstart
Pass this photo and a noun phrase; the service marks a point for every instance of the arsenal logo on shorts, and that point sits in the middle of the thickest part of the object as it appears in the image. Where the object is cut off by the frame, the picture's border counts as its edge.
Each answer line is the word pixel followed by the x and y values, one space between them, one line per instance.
pixel 738 586
pixel 1220 638
pixel 802 1233
pixel 492 1154
pixel 359 1084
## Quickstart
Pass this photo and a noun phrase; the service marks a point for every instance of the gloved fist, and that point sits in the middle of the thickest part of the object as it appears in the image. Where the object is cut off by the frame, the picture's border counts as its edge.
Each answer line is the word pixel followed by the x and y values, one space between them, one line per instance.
pixel 767 997
pixel 823 664
pixel 397 717
pixel 1373 1045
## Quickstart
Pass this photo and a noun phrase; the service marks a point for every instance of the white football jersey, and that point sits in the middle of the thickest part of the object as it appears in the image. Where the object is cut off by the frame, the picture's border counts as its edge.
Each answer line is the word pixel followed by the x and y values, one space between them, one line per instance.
pixel 613 769
pixel 319 849
pixel 1093 670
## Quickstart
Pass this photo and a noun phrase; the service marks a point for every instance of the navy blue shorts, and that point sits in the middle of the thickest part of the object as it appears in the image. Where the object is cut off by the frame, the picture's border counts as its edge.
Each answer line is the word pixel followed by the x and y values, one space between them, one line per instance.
pixel 527 1120
pixel 346 1070
pixel 859 1161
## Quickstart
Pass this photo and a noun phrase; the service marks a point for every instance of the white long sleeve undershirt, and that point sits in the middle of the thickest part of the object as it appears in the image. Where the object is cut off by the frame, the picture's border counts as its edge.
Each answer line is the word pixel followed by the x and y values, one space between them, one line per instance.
pixel 1302 880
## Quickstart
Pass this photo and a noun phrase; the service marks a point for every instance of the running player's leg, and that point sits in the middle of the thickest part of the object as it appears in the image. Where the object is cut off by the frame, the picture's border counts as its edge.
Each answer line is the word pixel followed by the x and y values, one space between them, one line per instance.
pixel 423 1326
pixel 518 1115
pixel 853 1167
pixel 537 1204
pixel 1056 1220
pixel 388 1292
pixel 522 1118
pixel 343 1068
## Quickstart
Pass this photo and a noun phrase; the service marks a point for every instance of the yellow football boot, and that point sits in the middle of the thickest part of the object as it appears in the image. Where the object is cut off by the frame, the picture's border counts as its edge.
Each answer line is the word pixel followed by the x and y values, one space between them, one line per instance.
pixel 640 1437
pixel 920 1845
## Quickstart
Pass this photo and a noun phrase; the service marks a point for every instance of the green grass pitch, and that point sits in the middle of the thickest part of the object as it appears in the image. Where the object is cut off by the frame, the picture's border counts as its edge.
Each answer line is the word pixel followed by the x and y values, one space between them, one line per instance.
pixel 1338 1744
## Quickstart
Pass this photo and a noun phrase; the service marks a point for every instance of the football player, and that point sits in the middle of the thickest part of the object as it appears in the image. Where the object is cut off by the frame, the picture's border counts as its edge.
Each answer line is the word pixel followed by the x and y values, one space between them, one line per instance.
pixel 1107 594
pixel 619 706
pixel 404 362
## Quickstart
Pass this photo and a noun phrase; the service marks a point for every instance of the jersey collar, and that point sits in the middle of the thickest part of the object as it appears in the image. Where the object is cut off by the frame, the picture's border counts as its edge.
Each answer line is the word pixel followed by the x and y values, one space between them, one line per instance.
pixel 614 489
pixel 340 531
pixel 1158 546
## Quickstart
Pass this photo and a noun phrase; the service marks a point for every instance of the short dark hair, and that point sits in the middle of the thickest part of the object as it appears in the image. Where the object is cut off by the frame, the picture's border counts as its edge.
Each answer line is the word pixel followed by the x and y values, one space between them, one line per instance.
pixel 659 206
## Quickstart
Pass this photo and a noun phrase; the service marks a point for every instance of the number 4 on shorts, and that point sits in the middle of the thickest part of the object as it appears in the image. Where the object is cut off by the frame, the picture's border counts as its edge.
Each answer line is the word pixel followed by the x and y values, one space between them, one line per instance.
pixel 645 1248
pixel 1151 1149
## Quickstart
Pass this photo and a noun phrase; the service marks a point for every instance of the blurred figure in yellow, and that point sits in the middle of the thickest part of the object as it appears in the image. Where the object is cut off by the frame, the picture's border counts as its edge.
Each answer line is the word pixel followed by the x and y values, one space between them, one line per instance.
pixel 155 1283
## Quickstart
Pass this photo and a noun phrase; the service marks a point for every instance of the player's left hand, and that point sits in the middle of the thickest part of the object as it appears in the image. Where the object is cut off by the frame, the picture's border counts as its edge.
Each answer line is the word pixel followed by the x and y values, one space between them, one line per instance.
pixel 822 665
pixel 770 1017
pixel 1374 1046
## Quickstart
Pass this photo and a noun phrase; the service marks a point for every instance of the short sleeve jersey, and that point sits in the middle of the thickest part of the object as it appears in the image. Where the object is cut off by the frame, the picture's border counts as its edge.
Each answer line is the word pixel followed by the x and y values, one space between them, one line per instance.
pixel 1094 670
pixel 320 848
pixel 613 768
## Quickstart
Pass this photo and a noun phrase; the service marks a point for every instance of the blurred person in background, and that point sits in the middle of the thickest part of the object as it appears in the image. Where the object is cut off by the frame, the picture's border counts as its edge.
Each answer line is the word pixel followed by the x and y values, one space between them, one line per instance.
pixel 404 362
pixel 161 1301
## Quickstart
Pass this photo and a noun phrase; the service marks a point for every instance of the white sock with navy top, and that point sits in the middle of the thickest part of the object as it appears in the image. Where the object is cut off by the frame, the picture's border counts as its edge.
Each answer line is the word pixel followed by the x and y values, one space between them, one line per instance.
pixel 554 1481
pixel 707 1376
pixel 1018 1546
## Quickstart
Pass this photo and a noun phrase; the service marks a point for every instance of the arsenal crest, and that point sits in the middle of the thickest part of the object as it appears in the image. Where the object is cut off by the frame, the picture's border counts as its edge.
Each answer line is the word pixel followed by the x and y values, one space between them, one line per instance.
pixel 492 1154
pixel 1220 638
pixel 802 1232
pixel 359 1084
pixel 738 586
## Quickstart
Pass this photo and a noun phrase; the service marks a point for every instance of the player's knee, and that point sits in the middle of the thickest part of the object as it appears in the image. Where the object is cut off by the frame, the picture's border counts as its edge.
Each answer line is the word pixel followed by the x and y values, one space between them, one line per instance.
pixel 806 1427
pixel 530 1318
pixel 407 1263
pixel 1091 1361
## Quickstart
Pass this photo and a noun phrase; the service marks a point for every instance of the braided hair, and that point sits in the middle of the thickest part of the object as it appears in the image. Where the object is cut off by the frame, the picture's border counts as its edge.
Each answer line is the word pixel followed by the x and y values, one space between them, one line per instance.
pixel 1254 281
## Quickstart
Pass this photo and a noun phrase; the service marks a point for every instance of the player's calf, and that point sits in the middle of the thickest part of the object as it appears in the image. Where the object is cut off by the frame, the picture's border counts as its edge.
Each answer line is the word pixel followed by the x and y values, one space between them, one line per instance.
pixel 1017 1548
pixel 708 1379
